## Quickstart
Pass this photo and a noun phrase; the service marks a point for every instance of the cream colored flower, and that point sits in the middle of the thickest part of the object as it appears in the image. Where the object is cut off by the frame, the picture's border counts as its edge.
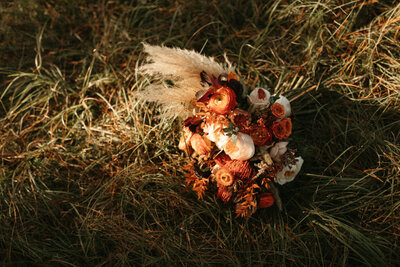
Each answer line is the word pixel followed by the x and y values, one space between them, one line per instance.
pixel 242 149
pixel 215 134
pixel 278 150
pixel 259 97
pixel 286 105
pixel 213 131
pixel 289 172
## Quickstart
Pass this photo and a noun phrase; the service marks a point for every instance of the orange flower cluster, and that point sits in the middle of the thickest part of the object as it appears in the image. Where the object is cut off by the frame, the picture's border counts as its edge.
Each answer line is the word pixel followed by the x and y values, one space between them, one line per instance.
pixel 231 136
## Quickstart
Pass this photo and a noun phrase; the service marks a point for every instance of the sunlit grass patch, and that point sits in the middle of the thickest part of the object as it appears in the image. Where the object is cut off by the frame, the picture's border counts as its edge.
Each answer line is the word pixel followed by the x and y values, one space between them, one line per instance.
pixel 90 175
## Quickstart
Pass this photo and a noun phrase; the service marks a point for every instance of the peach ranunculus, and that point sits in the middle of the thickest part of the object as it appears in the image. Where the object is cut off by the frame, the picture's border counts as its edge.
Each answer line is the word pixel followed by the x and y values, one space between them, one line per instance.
pixel 286 105
pixel 278 150
pixel 289 172
pixel 259 97
pixel 282 129
pixel 223 101
pixel 266 200
pixel 242 149
pixel 277 110
pixel 200 144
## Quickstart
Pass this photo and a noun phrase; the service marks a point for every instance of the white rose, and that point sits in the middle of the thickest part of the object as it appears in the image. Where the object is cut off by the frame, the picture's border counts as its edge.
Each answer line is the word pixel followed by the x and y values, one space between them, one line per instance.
pixel 243 149
pixel 289 172
pixel 259 97
pixel 278 150
pixel 286 105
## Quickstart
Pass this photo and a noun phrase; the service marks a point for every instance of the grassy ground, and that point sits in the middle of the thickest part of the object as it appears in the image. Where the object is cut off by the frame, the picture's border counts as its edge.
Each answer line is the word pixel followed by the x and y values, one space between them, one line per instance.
pixel 90 176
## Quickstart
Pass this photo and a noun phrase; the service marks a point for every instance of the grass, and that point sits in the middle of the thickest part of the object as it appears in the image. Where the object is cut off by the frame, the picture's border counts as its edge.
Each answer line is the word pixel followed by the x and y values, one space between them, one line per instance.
pixel 90 176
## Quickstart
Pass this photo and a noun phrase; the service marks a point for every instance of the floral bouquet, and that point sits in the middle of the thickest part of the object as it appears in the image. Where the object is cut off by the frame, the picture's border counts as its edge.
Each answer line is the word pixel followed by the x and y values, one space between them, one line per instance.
pixel 236 140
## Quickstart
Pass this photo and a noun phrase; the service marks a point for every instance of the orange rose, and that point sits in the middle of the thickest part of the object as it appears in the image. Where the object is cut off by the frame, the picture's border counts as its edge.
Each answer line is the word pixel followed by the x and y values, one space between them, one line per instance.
pixel 282 129
pixel 200 145
pixel 266 200
pixel 223 101
pixel 287 125
pixel 278 130
pixel 278 110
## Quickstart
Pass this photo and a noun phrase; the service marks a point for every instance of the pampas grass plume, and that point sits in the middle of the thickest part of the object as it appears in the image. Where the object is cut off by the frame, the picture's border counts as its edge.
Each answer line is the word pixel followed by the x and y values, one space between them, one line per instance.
pixel 176 74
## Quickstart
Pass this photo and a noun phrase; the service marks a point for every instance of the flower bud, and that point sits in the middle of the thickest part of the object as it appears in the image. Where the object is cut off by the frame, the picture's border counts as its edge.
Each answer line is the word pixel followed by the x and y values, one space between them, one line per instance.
pixel 266 200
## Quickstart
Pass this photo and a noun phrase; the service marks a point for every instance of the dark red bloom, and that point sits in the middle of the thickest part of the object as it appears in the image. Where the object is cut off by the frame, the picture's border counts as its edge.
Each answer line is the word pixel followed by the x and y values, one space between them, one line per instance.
pixel 260 134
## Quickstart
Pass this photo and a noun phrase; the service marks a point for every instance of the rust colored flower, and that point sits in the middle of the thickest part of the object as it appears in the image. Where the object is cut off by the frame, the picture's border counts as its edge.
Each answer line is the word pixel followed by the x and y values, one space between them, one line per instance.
pixel 221 159
pixel 266 200
pixel 223 101
pixel 260 134
pixel 234 170
pixel 200 145
pixel 240 169
pixel 224 194
pixel 282 129
pixel 277 110
pixel 224 177
pixel 240 118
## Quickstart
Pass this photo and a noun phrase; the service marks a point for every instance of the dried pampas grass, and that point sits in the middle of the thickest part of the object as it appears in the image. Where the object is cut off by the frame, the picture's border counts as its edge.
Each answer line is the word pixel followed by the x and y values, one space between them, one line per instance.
pixel 177 77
